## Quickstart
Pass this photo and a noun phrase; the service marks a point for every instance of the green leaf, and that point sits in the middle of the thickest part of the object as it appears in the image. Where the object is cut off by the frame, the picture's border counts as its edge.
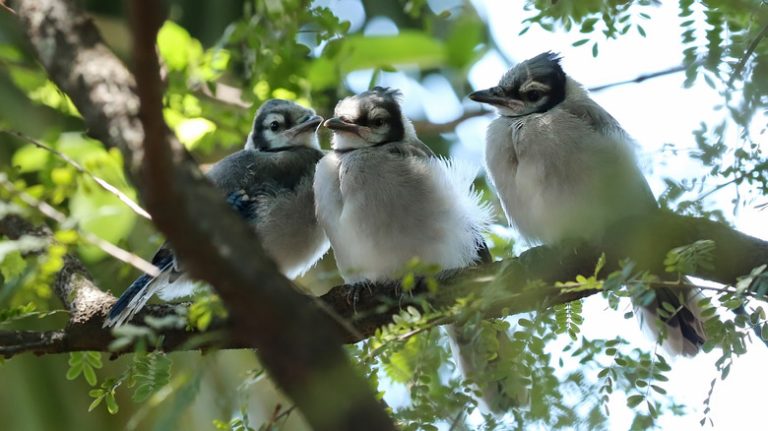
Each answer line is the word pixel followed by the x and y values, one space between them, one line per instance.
pixel 112 406
pixel 634 401
pixel 89 374
pixel 177 48
pixel 12 265
pixel 74 371
pixel 365 52
pixel 466 35
pixel 95 403
pixel 102 214
pixel 30 159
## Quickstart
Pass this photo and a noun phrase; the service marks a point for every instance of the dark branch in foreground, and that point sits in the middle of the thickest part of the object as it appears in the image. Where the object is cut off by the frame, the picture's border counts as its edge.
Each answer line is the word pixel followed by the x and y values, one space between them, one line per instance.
pixel 297 343
pixel 645 241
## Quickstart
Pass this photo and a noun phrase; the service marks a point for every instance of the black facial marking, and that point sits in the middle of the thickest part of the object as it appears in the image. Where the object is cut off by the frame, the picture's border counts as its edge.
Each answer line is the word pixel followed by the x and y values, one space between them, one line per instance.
pixel 544 68
pixel 386 99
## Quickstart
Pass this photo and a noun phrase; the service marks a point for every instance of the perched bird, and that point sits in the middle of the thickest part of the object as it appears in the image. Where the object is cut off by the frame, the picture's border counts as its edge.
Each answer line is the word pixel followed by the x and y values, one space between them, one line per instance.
pixel 384 198
pixel 269 183
pixel 565 169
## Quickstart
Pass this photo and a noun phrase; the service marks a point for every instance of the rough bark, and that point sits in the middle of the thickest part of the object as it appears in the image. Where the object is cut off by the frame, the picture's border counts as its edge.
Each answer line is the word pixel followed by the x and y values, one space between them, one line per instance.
pixel 297 343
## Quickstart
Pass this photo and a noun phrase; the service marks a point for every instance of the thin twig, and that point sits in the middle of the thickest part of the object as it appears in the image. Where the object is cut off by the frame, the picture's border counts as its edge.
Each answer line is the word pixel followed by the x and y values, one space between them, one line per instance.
pixel 429 128
pixel 105 185
pixel 748 53
pixel 717 188
pixel 640 78
pixel 456 420
pixel 404 337
pixel 54 214
pixel 5 7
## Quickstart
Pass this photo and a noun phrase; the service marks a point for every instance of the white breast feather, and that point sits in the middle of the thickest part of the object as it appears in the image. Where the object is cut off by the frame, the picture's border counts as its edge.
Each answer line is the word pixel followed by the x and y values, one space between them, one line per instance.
pixel 378 222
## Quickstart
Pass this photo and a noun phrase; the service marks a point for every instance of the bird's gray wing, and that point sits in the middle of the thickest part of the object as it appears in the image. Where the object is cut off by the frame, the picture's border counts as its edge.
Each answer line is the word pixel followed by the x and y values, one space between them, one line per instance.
pixel 631 181
pixel 685 332
pixel 248 175
pixel 243 177
pixel 248 169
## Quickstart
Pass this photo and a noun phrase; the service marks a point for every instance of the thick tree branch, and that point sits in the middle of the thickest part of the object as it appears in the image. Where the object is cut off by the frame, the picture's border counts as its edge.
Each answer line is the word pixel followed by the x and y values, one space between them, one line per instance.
pixel 645 241
pixel 73 285
pixel 297 343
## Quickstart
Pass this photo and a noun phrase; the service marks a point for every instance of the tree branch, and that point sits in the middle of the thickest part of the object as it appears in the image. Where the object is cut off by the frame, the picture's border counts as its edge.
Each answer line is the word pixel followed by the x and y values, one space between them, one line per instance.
pixel 640 78
pixel 297 343
pixel 73 284
pixel 429 128
pixel 645 241
pixel 747 53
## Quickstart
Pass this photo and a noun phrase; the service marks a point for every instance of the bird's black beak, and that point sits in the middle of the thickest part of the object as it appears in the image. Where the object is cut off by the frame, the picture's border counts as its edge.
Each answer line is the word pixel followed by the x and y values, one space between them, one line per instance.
pixel 337 123
pixel 492 96
pixel 309 125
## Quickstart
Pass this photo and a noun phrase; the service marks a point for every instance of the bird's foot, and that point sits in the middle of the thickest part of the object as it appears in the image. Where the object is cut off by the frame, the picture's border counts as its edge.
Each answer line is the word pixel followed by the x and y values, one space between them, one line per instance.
pixel 353 293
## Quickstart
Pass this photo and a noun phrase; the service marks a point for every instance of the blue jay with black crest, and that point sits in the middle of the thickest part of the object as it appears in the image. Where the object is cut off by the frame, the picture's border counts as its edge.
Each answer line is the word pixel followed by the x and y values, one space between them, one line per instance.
pixel 384 198
pixel 269 183
pixel 564 169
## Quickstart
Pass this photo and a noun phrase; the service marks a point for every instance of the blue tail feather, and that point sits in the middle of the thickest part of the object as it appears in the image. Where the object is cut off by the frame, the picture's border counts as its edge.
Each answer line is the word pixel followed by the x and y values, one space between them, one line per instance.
pixel 162 262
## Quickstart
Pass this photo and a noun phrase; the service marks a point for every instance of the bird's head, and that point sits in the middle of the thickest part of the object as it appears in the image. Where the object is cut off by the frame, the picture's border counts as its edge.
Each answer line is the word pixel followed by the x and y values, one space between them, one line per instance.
pixel 281 124
pixel 535 85
pixel 368 119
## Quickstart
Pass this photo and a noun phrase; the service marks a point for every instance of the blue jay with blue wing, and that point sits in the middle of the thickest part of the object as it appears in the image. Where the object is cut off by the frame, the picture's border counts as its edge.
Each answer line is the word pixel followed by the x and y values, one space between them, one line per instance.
pixel 269 183
pixel 564 169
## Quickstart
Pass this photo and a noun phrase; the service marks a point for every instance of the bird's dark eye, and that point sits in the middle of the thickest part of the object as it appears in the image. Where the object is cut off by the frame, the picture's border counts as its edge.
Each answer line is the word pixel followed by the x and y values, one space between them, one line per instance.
pixel 533 95
pixel 378 122
pixel 274 126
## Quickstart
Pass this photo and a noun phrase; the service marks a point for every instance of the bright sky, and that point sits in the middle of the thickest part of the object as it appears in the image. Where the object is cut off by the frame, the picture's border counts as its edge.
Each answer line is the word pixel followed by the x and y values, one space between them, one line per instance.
pixel 655 112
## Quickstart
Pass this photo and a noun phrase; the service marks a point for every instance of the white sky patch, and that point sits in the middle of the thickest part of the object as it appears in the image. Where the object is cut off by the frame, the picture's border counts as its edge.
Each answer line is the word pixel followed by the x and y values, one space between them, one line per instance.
pixel 487 71
pixel 441 104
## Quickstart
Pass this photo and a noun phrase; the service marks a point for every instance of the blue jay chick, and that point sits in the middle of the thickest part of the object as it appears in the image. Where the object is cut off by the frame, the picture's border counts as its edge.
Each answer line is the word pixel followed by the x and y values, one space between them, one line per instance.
pixel 564 169
pixel 269 183
pixel 384 198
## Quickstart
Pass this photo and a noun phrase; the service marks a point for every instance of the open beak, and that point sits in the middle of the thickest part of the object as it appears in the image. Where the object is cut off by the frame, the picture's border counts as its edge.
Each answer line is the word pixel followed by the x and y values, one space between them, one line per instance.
pixel 337 123
pixel 310 125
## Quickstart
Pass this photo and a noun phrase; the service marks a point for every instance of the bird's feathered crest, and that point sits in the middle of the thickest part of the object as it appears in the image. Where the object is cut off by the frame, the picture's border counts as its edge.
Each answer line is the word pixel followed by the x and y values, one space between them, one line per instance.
pixel 393 93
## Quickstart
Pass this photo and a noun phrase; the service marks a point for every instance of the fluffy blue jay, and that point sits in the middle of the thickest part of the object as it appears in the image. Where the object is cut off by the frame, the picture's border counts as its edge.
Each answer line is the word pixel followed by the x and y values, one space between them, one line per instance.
pixel 564 168
pixel 384 198
pixel 269 183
